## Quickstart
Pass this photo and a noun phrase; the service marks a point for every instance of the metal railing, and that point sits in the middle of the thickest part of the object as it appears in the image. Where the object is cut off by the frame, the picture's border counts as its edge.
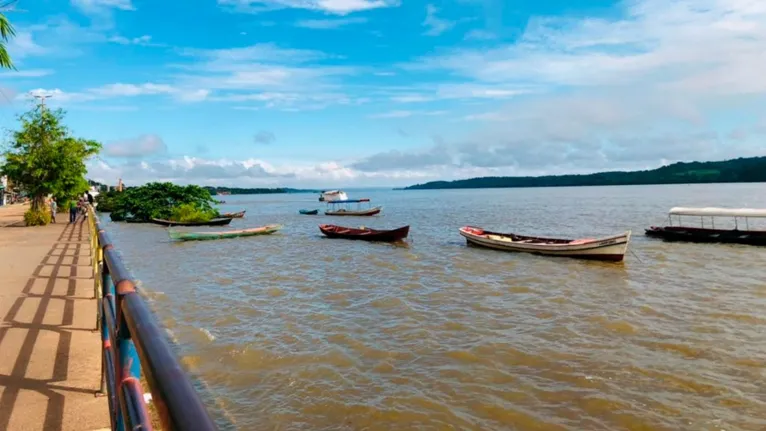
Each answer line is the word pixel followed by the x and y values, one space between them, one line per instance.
pixel 133 343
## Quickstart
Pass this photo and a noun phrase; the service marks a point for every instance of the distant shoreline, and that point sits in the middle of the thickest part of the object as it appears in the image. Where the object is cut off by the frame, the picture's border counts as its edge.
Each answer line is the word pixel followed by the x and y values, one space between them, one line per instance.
pixel 742 170
pixel 224 191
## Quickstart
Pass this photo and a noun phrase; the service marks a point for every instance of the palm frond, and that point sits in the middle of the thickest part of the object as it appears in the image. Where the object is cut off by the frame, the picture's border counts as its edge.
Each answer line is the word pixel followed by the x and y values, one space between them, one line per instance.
pixel 6 29
pixel 5 59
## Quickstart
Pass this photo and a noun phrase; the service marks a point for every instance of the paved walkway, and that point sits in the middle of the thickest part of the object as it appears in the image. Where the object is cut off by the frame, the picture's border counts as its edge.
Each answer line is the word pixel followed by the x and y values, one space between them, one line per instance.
pixel 50 355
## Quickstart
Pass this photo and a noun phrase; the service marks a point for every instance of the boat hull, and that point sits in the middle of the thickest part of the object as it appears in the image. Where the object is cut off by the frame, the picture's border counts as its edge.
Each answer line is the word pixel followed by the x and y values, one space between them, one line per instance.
pixel 214 222
pixel 309 212
pixel 202 236
pixel 611 248
pixel 234 215
pixel 333 231
pixel 702 235
pixel 367 212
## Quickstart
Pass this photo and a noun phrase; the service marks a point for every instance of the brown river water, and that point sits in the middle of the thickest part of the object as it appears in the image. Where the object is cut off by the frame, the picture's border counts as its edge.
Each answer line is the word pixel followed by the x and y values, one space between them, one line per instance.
pixel 298 332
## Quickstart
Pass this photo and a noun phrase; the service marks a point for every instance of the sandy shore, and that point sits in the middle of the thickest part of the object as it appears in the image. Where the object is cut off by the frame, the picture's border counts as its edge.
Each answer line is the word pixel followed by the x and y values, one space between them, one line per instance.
pixel 50 355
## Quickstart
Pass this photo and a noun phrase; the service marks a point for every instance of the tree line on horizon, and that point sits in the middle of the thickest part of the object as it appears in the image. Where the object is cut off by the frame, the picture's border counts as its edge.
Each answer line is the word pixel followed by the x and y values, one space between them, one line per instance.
pixel 741 170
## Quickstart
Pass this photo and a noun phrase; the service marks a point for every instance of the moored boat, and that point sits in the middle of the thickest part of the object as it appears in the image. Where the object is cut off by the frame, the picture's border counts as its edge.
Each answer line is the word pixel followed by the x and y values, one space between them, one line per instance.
pixel 309 212
pixel 610 248
pixel 365 234
pixel 199 236
pixel 213 222
pixel 345 210
pixel 239 214
pixel 711 234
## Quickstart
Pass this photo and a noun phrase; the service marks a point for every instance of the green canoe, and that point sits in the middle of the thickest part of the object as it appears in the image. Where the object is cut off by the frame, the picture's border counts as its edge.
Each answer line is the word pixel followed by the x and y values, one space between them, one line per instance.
pixel 197 236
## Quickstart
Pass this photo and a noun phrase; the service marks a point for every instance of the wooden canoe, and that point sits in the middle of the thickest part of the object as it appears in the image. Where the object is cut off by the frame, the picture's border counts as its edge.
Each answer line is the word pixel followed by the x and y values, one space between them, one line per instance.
pixel 364 234
pixel 234 215
pixel 309 212
pixel 200 236
pixel 213 222
pixel 345 212
pixel 610 248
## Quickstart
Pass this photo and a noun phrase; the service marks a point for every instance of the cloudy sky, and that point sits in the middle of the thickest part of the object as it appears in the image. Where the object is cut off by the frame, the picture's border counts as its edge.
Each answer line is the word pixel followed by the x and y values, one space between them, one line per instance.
pixel 326 93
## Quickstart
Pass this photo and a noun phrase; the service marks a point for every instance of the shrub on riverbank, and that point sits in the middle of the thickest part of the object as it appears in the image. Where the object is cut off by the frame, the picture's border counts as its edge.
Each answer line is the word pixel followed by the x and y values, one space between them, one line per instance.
pixel 37 217
pixel 161 200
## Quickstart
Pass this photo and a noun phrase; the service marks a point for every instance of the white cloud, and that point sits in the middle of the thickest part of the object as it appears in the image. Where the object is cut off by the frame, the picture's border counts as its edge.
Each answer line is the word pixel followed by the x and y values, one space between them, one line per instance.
pixel 100 5
pixel 435 25
pixel 144 40
pixel 337 7
pixel 142 146
pixel 118 90
pixel 478 34
pixel 405 114
pixel 26 73
pixel 23 45
pixel 258 173
pixel 278 77
pixel 329 24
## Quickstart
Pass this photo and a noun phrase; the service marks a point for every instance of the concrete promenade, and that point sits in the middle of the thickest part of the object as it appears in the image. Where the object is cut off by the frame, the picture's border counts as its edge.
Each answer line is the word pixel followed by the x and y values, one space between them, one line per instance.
pixel 50 355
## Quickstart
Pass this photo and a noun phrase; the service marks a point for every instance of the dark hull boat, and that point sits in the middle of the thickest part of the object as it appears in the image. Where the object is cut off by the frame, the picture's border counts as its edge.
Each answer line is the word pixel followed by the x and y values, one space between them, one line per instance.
pixel 213 222
pixel 345 212
pixel 691 234
pixel 710 234
pixel 309 212
pixel 364 234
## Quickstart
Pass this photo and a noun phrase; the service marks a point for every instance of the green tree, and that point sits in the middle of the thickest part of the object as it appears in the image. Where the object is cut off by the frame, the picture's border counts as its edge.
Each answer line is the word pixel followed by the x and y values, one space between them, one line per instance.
pixel 6 33
pixel 160 200
pixel 44 158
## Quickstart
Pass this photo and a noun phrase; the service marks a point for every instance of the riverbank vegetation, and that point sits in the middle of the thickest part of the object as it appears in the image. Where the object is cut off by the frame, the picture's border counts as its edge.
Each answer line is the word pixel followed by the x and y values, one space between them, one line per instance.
pixel 166 201
pixel 742 170
pixel 254 191
pixel 43 158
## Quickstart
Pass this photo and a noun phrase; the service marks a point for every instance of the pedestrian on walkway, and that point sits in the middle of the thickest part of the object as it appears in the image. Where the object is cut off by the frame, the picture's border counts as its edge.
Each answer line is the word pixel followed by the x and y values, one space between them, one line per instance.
pixel 54 207
pixel 73 207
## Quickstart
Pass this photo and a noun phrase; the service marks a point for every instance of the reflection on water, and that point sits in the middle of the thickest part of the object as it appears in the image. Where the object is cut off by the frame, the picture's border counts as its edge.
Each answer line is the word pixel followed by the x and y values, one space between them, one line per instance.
pixel 296 331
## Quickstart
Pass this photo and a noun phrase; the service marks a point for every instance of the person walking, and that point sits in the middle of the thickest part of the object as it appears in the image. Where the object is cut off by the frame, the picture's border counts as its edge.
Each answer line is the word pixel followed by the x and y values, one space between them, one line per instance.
pixel 73 207
pixel 54 207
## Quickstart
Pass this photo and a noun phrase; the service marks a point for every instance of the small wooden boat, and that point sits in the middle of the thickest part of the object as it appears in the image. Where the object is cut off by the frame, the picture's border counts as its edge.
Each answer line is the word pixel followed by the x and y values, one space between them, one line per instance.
pixel 309 212
pixel 364 234
pixel 213 222
pixel 345 212
pixel 342 208
pixel 610 248
pixel 234 215
pixel 711 234
pixel 200 236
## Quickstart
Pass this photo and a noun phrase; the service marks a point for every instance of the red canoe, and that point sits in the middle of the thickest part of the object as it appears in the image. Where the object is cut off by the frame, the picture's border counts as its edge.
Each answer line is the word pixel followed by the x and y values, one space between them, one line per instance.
pixel 364 234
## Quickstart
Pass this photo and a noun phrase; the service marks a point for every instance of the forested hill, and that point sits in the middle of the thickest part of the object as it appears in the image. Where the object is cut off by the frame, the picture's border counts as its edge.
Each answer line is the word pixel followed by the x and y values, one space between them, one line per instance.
pixel 254 191
pixel 742 170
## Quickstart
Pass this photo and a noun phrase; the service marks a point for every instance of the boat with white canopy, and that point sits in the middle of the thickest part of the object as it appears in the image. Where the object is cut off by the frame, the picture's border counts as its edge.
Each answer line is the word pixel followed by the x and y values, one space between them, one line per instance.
pixel 707 232
pixel 343 208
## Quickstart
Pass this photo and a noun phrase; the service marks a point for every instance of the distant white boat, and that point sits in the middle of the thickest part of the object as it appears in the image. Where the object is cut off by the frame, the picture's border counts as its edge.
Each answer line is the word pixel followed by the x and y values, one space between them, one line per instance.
pixel 333 195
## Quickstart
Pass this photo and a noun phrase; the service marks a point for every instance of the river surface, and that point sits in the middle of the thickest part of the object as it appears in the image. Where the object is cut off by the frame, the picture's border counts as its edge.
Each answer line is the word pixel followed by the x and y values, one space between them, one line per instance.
pixel 298 332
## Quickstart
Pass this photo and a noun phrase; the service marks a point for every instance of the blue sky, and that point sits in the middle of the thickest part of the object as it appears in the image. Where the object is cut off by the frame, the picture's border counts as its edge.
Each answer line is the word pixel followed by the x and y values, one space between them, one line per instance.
pixel 346 93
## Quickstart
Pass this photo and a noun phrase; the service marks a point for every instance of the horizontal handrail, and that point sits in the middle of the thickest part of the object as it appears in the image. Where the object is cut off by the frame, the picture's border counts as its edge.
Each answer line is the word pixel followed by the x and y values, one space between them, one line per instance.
pixel 135 343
